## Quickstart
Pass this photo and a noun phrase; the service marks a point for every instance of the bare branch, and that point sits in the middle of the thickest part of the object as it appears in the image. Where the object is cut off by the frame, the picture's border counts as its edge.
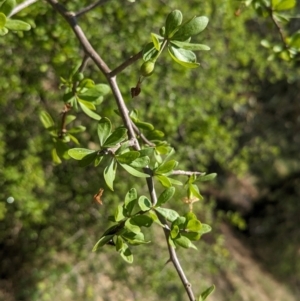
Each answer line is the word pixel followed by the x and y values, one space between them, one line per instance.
pixel 21 6
pixel 187 173
pixel 90 7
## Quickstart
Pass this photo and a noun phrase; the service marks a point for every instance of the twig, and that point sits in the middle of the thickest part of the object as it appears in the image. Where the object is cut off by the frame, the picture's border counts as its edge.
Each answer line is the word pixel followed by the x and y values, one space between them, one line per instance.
pixel 187 173
pixel 127 63
pixel 21 6
pixel 89 50
pixel 90 7
pixel 280 30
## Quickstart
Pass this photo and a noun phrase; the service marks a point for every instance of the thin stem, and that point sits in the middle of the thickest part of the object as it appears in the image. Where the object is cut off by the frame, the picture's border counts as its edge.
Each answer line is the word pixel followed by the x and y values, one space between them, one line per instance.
pixel 90 7
pixel 127 63
pixel 21 6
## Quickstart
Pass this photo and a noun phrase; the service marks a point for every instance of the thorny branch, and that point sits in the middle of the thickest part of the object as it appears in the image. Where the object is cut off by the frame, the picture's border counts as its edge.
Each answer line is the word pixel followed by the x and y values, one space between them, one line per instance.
pixel 111 78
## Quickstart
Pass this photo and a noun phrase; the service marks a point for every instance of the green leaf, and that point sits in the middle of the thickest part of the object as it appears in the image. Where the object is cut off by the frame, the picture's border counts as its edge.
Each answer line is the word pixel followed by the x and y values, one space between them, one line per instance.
pixel 130 200
pixel 104 130
pixel 205 229
pixel 119 213
pixel 46 119
pixel 295 40
pixel 184 242
pixel 102 241
pixel 2 20
pixel 128 157
pixel 191 28
pixel 208 177
pixel 190 46
pixel 77 129
pixel 174 232
pixel 166 167
pixel 55 156
pixel 165 196
pixel 140 162
pixel 79 153
pixel 3 31
pixel 88 159
pixel 144 125
pixel 149 52
pixel 175 182
pixel 206 293
pixel 110 174
pixel 119 244
pixel 98 160
pixel 194 225
pixel 70 118
pixel 89 112
pixel 155 41
pixel 173 21
pixel 126 254
pixel 164 180
pixel 142 220
pixel 183 57
pixel 88 104
pixel 155 135
pixel 144 203
pixel 7 6
pixel 131 226
pixel 194 192
pixel 134 238
pixel 134 172
pixel 17 25
pixel 283 4
pixel 119 135
pixel 169 214
pixel 148 151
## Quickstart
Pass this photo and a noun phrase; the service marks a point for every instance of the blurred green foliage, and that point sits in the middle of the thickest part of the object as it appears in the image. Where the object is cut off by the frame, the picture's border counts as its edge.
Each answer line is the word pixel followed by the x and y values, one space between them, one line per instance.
pixel 238 113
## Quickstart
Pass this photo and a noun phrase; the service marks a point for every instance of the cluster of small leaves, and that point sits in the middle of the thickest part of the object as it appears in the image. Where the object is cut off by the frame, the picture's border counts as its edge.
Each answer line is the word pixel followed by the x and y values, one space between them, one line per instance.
pixel 60 149
pixel 289 46
pixel 79 92
pixel 176 36
pixel 6 23
pixel 83 92
pixel 136 212
pixel 115 147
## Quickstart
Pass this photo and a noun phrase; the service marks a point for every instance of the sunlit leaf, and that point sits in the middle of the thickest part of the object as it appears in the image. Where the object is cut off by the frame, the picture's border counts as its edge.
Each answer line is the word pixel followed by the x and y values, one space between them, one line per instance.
pixel 144 203
pixel 46 119
pixel 166 167
pixel 169 214
pixel 164 180
pixel 155 40
pixel 2 20
pixel 89 112
pixel 104 130
pixel 17 25
pixel 173 21
pixel 102 241
pixel 110 174
pixel 165 196
pixel 206 293
pixel 190 46
pixel 134 171
pixel 191 28
pixel 128 157
pixel 119 135
pixel 79 153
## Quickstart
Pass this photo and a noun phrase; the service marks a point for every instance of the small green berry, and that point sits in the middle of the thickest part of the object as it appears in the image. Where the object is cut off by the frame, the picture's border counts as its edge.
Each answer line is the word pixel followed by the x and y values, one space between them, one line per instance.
pixel 147 68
